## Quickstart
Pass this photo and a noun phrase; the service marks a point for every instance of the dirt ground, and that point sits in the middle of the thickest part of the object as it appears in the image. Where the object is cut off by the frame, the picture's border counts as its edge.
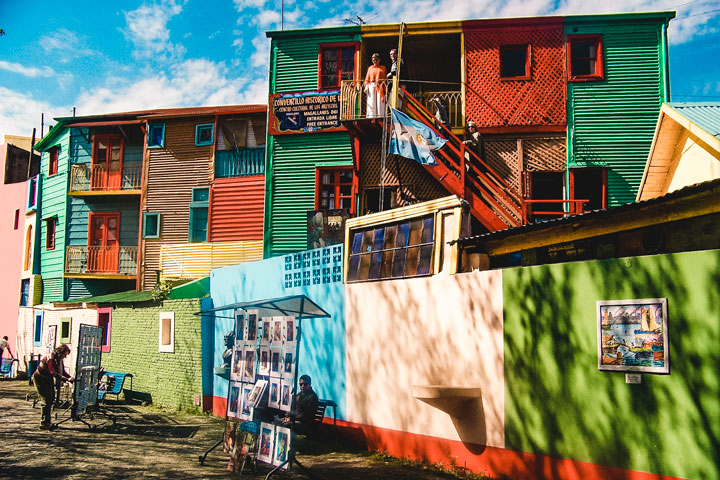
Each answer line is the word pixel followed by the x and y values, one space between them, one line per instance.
pixel 148 443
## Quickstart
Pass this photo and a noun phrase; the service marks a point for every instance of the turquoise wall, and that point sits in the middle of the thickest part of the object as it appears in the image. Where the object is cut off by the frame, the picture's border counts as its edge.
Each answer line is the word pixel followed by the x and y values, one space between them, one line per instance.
pixel 559 404
pixel 79 209
pixel 316 274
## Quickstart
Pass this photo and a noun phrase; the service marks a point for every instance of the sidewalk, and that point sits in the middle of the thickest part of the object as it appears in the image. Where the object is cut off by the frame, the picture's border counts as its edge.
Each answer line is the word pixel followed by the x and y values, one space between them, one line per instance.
pixel 147 443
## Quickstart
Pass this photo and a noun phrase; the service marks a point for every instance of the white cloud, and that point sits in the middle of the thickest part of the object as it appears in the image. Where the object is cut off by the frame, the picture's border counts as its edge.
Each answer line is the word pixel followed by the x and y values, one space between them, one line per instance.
pixel 241 5
pixel 261 56
pixel 20 113
pixel 147 30
pixel 66 45
pixel 267 18
pixel 26 71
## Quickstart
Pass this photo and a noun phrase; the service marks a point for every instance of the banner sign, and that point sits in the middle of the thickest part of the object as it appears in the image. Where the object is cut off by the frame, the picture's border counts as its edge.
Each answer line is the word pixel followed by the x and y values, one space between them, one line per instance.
pixel 305 112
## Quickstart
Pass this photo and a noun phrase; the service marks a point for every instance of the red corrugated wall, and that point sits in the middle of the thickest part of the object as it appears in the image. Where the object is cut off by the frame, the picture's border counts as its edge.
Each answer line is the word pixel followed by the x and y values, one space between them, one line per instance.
pixel 492 102
pixel 236 209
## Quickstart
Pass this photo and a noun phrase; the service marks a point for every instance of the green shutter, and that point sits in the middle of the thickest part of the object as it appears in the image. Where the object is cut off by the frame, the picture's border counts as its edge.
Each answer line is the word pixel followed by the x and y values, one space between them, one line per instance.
pixel 293 190
pixel 611 122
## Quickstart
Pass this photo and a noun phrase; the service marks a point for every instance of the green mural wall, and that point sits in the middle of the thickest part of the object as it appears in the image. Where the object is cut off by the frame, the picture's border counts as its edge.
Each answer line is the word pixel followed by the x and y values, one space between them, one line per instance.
pixel 170 378
pixel 557 401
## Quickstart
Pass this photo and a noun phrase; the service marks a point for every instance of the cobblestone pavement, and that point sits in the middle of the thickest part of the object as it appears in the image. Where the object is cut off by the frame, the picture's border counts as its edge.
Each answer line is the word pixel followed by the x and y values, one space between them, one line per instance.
pixel 148 443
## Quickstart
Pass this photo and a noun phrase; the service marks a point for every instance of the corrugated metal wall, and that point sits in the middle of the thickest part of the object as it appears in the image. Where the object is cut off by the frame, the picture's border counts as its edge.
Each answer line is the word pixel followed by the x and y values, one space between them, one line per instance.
pixel 54 203
pixel 197 259
pixel 293 189
pixel 236 209
pixel 173 172
pixel 611 122
pixel 295 60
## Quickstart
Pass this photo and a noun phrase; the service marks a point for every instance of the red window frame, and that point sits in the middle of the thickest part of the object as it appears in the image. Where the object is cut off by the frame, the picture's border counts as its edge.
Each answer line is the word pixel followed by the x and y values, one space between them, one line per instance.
pixel 336 184
pixel 338 47
pixel 528 60
pixel 53 155
pixel 598 58
pixel 50 227
pixel 604 186
pixel 106 326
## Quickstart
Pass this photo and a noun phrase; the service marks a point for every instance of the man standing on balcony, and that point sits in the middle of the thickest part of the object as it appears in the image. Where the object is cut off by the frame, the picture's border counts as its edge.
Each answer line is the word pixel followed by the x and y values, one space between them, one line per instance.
pixel 375 87
pixel 400 72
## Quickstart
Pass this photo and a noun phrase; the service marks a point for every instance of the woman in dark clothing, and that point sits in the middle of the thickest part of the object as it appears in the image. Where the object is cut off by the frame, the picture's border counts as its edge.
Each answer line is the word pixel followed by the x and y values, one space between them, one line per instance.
pixel 50 368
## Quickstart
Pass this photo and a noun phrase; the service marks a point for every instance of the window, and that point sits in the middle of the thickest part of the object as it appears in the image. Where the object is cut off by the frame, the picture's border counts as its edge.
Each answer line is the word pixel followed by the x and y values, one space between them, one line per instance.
pixel 199 215
pixel 25 292
pixel 32 192
pixel 334 189
pixel 397 250
pixel 204 134
pixel 28 247
pixel 53 155
pixel 544 185
pixel 166 335
pixel 16 221
pixel 156 135
pixel 37 330
pixel 105 322
pixel 151 225
pixel 50 225
pixel 515 62
pixel 65 329
pixel 337 63
pixel 371 197
pixel 584 57
pixel 589 183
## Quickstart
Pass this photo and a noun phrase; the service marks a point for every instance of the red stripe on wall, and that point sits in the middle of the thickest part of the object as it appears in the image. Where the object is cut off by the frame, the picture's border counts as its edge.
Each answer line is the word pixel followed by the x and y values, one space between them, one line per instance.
pixel 490 461
pixel 236 206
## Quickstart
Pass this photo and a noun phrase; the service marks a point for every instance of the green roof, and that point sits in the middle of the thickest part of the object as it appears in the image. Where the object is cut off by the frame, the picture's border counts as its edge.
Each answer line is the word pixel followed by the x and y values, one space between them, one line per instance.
pixel 49 139
pixel 193 289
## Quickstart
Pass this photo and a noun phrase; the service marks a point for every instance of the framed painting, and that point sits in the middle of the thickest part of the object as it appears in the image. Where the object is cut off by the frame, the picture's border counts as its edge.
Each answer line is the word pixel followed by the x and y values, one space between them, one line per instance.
pixel 239 327
pixel 264 361
pixel 248 372
pixel 234 402
pixel 256 395
pixel 252 326
pixel 285 395
pixel 246 411
pixel 282 446
pixel 265 336
pixel 275 362
pixel 274 394
pixel 289 331
pixel 267 439
pixel 633 335
pixel 288 363
pixel 236 366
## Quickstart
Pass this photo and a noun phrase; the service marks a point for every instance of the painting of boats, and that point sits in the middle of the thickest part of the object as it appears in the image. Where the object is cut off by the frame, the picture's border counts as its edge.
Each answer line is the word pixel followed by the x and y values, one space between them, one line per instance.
pixel 632 335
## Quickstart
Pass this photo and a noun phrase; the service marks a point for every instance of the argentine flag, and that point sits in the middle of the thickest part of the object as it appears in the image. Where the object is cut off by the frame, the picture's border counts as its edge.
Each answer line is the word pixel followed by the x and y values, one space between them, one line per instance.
pixel 412 139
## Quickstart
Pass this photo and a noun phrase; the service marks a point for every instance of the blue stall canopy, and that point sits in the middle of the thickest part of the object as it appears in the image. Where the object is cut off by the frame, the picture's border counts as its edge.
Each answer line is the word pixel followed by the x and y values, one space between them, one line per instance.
pixel 299 306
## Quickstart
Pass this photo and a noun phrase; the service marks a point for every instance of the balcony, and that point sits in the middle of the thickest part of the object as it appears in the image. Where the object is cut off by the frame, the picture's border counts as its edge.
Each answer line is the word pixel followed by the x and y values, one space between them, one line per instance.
pixel 359 101
pixel 86 179
pixel 241 162
pixel 104 262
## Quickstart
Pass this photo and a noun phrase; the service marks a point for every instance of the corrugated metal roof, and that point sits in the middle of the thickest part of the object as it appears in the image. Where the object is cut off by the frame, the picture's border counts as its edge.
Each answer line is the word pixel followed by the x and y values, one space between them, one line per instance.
pixel 595 214
pixel 192 289
pixel 166 112
pixel 705 114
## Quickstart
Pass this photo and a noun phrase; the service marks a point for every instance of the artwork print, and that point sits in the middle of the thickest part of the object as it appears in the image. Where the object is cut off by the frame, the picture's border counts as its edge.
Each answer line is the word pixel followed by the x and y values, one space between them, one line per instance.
pixel 252 328
pixel 275 361
pixel 246 411
pixel 264 362
pixel 256 395
pixel 267 440
pixel 248 373
pixel 274 393
pixel 290 330
pixel 277 332
pixel 265 338
pixel 282 446
pixel 632 335
pixel 236 367
pixel 239 327
pixel 233 409
pixel 288 363
pixel 285 395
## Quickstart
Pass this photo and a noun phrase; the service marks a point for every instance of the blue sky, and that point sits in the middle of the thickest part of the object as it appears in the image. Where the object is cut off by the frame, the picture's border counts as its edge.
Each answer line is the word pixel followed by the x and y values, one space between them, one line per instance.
pixel 102 57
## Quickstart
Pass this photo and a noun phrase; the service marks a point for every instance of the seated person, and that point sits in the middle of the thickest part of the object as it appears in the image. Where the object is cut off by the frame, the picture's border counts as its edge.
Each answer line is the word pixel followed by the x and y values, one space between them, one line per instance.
pixel 304 406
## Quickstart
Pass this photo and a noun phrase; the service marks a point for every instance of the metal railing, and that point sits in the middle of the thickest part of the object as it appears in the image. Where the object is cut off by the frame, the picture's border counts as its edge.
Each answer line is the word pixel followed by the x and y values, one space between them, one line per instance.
pixel 564 207
pixel 90 178
pixel 358 101
pixel 240 162
pixel 102 260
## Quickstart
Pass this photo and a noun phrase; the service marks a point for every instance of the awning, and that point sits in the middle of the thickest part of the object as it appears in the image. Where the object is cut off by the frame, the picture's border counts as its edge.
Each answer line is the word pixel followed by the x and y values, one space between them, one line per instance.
pixel 292 306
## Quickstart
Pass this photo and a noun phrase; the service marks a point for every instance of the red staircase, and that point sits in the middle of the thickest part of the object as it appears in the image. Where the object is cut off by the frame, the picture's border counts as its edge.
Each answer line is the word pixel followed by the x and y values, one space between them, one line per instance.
pixel 492 201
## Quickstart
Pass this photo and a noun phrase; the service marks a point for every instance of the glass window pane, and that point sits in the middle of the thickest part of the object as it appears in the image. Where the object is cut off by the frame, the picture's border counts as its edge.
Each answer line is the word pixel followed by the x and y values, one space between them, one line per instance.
pixel 357 242
pixel 411 265
pixel 367 241
pixel 387 263
pixel 345 190
pixel 402 235
pixel 364 268
pixel 427 233
pixel 425 258
pixel 348 63
pixel 379 239
pixel 201 194
pixel 398 266
pixel 415 232
pixel 346 176
pixel 352 273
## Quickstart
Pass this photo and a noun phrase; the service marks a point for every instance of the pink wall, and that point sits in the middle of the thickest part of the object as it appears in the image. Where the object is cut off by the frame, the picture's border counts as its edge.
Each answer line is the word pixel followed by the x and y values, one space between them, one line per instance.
pixel 12 198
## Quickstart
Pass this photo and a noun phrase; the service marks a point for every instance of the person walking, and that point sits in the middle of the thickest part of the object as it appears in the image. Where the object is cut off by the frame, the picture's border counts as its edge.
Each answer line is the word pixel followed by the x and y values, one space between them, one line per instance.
pixel 50 368
pixel 4 345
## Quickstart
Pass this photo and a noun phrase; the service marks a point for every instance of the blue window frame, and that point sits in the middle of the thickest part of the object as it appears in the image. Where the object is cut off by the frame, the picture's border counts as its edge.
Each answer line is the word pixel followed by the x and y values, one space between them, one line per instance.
pixel 199 215
pixel 37 332
pixel 32 193
pixel 204 134
pixel 151 225
pixel 156 135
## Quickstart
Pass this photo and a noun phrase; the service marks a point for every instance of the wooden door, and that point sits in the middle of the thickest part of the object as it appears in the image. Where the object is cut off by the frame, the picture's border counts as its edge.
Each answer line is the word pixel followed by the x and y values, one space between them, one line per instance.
pixel 107 162
pixel 104 243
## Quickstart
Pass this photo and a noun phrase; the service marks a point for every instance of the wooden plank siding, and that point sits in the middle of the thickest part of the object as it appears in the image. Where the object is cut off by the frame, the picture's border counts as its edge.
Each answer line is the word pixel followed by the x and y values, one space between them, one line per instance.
pixel 611 122
pixel 54 204
pixel 173 172
pixel 78 218
pixel 236 209
pixel 81 143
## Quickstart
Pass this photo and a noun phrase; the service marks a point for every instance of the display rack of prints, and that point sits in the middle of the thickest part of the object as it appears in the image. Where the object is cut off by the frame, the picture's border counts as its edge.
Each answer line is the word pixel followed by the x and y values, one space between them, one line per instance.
pixel 87 367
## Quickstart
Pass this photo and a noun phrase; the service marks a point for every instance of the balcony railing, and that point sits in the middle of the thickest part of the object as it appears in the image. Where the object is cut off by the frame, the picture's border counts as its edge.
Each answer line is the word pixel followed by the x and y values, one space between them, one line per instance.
pixel 358 101
pixel 240 162
pixel 101 260
pixel 550 208
pixel 97 178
